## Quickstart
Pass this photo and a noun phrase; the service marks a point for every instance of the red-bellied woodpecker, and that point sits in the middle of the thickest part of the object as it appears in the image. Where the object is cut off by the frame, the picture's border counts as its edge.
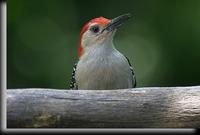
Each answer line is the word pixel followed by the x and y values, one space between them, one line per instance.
pixel 101 66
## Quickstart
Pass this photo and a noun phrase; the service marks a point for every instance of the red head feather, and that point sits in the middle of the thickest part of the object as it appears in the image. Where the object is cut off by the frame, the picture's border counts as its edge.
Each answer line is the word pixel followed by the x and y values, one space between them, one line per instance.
pixel 100 20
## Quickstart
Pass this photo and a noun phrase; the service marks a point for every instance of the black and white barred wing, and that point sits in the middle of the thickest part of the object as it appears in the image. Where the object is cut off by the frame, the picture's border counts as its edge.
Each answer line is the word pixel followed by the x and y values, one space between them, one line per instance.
pixel 73 84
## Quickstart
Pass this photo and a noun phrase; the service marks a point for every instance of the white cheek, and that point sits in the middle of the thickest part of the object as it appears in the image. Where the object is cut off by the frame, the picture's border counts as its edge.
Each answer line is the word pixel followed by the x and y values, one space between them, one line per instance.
pixel 85 39
pixel 88 39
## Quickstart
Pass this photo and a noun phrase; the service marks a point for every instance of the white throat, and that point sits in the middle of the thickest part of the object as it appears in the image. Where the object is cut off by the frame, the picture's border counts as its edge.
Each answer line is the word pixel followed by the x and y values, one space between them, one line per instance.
pixel 102 50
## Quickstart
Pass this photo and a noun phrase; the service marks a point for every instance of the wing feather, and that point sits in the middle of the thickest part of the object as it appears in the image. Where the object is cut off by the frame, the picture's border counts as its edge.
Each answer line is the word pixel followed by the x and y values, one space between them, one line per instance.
pixel 133 74
pixel 73 84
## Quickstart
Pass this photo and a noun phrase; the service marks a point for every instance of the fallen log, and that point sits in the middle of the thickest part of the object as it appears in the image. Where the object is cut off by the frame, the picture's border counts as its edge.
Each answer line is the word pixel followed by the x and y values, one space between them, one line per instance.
pixel 158 107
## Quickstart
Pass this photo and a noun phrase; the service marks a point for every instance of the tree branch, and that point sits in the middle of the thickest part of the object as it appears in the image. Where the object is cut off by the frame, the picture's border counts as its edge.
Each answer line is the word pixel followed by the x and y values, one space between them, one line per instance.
pixel 139 107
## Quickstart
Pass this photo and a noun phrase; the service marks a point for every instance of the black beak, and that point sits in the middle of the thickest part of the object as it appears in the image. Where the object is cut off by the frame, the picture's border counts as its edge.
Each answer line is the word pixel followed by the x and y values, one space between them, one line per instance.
pixel 116 22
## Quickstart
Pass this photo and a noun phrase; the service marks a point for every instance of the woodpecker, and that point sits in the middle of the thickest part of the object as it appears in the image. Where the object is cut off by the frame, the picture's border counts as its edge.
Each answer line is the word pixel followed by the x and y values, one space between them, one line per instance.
pixel 101 66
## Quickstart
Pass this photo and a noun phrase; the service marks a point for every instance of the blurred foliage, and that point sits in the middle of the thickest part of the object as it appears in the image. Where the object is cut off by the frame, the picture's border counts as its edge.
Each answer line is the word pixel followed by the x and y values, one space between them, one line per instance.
pixel 162 40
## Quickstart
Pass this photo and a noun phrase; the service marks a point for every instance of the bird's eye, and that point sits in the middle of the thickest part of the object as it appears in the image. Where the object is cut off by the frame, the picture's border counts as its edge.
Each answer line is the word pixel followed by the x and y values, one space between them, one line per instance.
pixel 95 29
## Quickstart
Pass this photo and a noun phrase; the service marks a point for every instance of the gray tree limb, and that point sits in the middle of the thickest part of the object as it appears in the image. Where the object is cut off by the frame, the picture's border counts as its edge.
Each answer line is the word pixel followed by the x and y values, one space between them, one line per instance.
pixel 132 108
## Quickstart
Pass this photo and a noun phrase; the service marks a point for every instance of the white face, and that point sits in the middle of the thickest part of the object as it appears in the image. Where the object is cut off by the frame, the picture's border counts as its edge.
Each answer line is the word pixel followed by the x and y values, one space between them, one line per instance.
pixel 95 36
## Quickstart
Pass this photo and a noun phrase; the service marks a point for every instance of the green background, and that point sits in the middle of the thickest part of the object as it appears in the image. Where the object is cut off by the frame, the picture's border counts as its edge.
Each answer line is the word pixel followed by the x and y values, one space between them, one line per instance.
pixel 162 40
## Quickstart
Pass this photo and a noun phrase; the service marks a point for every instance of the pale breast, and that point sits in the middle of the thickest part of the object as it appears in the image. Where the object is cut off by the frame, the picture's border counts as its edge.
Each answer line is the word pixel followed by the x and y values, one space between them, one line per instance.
pixel 106 72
